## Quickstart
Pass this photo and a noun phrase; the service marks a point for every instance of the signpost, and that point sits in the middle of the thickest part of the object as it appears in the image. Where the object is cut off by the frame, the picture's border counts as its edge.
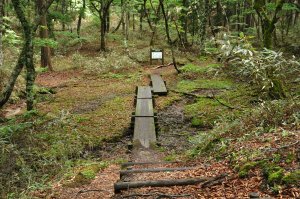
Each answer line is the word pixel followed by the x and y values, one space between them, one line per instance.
pixel 156 54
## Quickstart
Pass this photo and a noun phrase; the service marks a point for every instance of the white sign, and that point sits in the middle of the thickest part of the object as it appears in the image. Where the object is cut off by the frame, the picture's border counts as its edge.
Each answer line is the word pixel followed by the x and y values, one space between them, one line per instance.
pixel 156 55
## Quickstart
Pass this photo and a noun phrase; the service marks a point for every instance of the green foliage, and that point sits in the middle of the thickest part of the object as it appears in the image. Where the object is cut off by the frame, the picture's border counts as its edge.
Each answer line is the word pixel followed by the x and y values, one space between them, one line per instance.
pixel 45 43
pixel 244 170
pixel 292 178
pixel 11 38
pixel 198 122
pixel 266 69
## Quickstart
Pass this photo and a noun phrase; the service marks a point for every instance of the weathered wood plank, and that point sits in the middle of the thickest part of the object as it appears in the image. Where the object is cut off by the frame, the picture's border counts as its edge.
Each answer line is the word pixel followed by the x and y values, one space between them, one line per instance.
pixel 144 108
pixel 158 85
pixel 126 164
pixel 144 131
pixel 155 170
pixel 144 92
pixel 158 183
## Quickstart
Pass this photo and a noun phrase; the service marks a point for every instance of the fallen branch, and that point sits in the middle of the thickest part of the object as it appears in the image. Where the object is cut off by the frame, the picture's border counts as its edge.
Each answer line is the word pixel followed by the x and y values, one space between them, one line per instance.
pixel 161 66
pixel 226 105
pixel 189 94
pixel 207 96
pixel 282 147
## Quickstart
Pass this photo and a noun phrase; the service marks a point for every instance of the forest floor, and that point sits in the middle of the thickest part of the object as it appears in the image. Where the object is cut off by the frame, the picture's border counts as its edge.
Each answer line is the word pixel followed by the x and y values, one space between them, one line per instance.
pixel 208 120
pixel 103 105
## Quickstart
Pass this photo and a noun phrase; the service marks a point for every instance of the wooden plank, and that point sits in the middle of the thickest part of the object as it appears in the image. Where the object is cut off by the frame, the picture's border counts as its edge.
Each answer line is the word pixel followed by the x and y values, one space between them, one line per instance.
pixel 144 92
pixel 144 131
pixel 155 170
pixel 158 183
pixel 126 164
pixel 158 85
pixel 144 108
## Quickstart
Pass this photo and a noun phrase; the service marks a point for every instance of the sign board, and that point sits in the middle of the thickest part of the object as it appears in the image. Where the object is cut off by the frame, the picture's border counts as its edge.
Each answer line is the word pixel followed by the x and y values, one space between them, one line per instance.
pixel 157 54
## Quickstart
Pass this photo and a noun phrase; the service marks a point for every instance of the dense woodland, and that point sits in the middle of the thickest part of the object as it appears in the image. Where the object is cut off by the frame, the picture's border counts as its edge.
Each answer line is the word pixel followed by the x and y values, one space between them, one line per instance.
pixel 69 69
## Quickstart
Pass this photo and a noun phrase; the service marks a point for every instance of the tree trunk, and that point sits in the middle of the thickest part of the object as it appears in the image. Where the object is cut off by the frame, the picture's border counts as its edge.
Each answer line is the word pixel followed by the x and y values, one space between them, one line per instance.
pixel 63 11
pixel 142 12
pixel 102 33
pixel 107 21
pixel 25 57
pixel 1 31
pixel 81 15
pixel 13 77
pixel 203 26
pixel 127 26
pixel 267 24
pixel 133 22
pixel 45 50
pixel 168 34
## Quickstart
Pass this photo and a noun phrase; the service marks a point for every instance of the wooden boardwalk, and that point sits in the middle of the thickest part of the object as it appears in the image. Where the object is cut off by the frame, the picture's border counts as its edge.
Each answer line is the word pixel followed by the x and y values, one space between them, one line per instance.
pixel 144 131
pixel 144 108
pixel 158 85
pixel 144 135
pixel 144 92
pixel 144 125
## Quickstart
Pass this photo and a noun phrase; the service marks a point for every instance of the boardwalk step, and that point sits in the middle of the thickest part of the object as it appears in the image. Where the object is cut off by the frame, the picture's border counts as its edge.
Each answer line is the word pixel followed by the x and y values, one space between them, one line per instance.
pixel 143 92
pixel 144 108
pixel 154 170
pixel 126 164
pixel 158 85
pixel 158 183
pixel 144 131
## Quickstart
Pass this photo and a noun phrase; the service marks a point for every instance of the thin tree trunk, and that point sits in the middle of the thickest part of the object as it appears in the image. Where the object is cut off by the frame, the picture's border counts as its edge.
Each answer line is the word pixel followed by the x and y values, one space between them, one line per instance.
pixel 45 50
pixel 203 25
pixel 13 77
pixel 63 11
pixel 107 27
pixel 127 26
pixel 133 22
pixel 81 15
pixel 142 12
pixel 1 31
pixel 102 33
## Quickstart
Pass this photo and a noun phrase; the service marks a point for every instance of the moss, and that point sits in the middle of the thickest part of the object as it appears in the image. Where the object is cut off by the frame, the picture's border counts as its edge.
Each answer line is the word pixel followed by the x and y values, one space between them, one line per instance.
pixel 88 174
pixel 292 178
pixel 171 157
pixel 290 157
pixel 276 176
pixel 187 86
pixel 244 170
pixel 198 122
pixel 191 68
pixel 272 173
pixel 214 84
